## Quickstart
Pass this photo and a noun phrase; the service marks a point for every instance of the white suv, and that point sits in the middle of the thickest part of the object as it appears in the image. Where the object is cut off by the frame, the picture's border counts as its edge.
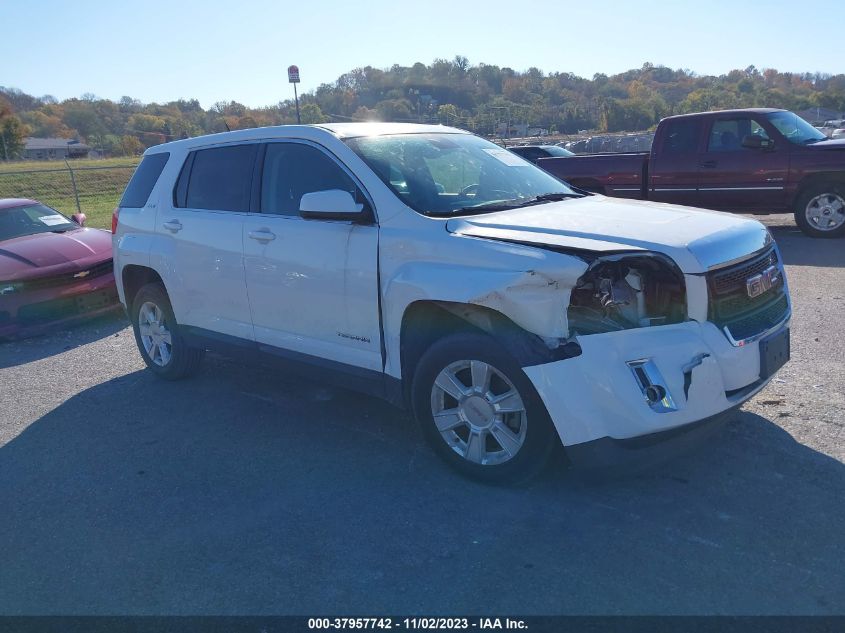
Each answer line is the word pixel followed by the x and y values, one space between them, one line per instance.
pixel 508 311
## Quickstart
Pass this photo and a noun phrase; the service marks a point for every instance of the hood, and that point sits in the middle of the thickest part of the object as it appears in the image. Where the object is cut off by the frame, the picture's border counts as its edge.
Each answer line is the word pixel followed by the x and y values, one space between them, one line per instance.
pixel 831 143
pixel 50 253
pixel 695 239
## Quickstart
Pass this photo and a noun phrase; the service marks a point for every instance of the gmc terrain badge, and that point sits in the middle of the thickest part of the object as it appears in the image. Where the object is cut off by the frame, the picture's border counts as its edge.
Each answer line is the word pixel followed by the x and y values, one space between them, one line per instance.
pixel 758 284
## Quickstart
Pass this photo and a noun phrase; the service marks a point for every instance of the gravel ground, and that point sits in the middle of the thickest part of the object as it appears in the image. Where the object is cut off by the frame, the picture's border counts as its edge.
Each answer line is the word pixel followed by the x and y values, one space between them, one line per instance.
pixel 246 492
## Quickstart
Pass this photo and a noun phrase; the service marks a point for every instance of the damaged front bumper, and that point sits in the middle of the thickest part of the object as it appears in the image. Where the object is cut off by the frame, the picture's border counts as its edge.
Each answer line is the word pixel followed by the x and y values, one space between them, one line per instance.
pixel 631 391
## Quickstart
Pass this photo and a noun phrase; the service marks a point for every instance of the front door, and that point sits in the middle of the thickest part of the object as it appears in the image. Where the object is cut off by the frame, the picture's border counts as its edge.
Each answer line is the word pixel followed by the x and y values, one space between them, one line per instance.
pixel 734 177
pixel 312 284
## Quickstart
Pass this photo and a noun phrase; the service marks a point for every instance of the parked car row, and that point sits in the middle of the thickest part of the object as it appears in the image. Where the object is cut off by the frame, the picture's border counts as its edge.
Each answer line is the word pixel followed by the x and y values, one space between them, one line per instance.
pixel 833 129
pixel 638 142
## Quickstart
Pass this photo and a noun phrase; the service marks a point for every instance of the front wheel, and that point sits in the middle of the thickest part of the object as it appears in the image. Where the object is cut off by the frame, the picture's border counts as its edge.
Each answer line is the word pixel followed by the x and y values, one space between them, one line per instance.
pixel 480 412
pixel 162 347
pixel 820 211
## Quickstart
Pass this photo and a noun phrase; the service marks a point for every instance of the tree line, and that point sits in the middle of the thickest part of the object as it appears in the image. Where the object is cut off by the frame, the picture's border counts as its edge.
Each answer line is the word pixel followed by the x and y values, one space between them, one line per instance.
pixel 483 98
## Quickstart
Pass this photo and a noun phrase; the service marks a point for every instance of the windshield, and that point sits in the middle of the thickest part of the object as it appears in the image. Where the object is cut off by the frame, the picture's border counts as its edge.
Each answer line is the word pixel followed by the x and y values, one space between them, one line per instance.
pixel 456 174
pixel 32 219
pixel 795 129
pixel 557 150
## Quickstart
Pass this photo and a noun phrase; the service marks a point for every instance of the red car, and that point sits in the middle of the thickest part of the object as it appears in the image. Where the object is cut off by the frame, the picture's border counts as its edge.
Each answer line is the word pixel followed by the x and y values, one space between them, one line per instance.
pixel 52 270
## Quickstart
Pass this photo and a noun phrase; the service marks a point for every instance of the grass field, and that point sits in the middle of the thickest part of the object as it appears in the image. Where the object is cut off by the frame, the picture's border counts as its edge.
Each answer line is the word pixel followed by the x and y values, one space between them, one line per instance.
pixel 99 185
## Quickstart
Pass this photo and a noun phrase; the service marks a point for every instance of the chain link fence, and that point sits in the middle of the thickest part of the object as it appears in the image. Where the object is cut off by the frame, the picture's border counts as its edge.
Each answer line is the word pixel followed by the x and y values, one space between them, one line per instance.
pixel 91 189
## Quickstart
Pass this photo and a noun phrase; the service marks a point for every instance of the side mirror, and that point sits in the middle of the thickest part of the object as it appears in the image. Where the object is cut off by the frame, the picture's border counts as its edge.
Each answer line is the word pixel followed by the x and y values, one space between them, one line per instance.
pixel 79 218
pixel 755 141
pixel 333 204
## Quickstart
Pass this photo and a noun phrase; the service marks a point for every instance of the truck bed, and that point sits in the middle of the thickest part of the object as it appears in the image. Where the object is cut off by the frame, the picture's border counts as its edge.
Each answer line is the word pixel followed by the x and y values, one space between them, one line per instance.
pixel 620 175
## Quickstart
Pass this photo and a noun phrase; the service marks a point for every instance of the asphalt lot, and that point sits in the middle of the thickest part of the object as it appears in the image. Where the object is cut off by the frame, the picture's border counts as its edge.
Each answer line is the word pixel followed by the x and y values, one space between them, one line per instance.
pixel 245 492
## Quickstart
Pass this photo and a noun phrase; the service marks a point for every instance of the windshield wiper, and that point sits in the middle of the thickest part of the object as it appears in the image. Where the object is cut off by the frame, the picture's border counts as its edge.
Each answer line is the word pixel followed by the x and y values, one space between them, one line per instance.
pixel 496 205
pixel 555 196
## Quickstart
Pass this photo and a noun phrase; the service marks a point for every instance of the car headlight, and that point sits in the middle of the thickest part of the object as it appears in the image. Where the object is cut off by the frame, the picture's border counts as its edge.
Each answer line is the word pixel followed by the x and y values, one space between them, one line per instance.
pixel 620 292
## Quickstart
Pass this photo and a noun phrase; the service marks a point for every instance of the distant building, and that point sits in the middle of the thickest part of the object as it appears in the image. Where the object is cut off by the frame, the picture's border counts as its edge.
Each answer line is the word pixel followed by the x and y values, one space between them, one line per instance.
pixel 54 149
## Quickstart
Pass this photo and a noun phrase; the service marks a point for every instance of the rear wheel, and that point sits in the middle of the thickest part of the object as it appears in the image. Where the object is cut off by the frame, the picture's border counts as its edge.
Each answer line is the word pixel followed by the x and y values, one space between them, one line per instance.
pixel 820 210
pixel 480 412
pixel 162 347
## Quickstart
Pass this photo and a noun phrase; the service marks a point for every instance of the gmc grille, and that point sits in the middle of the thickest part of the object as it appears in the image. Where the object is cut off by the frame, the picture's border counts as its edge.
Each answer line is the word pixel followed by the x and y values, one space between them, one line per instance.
pixel 730 305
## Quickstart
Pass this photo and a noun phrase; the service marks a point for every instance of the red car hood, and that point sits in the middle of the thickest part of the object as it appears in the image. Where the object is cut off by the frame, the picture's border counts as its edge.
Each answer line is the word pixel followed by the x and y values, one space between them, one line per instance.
pixel 52 253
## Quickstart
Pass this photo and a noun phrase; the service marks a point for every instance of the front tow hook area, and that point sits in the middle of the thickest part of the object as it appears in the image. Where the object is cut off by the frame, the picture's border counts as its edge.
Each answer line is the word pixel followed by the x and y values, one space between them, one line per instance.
pixel 652 385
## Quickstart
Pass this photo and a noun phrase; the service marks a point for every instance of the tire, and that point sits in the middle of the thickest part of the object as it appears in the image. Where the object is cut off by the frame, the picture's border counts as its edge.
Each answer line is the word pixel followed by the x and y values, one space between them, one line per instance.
pixel 477 436
pixel 162 347
pixel 820 210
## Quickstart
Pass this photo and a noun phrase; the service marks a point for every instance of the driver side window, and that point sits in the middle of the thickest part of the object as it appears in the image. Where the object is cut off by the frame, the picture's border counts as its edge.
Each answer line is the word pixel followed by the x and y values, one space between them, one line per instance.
pixel 727 134
pixel 293 169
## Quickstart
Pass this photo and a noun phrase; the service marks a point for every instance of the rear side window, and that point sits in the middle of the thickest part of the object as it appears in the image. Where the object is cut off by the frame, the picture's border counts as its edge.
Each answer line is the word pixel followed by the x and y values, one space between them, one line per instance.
pixel 221 178
pixel 681 136
pixel 143 180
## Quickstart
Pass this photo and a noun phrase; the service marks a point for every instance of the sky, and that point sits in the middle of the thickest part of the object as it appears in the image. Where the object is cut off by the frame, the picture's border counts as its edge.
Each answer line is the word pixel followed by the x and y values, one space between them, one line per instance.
pixel 159 51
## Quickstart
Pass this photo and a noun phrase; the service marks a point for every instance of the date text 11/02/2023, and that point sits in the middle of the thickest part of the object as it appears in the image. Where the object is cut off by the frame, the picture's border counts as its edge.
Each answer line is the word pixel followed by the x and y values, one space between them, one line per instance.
pixel 417 623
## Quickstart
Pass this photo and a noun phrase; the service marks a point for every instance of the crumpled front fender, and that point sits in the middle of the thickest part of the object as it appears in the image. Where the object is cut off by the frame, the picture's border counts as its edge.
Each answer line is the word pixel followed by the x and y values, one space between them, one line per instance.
pixel 536 301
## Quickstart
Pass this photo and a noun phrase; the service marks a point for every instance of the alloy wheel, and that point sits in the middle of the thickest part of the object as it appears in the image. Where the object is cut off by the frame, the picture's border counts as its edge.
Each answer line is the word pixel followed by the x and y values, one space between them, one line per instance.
pixel 826 212
pixel 478 412
pixel 155 336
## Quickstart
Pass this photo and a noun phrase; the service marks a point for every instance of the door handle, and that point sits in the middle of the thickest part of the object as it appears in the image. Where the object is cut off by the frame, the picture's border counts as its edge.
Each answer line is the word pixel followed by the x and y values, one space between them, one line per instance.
pixel 172 225
pixel 262 235
pixel 709 164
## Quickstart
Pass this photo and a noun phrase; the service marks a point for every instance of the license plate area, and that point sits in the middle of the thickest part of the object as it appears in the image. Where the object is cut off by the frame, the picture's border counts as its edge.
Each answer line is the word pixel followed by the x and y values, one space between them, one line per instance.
pixel 774 352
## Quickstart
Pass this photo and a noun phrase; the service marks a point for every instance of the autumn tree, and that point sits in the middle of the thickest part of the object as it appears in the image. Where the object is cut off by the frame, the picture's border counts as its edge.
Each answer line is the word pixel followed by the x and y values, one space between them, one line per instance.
pixel 12 132
pixel 311 113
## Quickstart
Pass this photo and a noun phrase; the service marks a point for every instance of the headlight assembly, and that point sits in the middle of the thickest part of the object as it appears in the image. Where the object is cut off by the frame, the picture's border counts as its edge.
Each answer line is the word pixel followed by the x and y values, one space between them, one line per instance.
pixel 620 292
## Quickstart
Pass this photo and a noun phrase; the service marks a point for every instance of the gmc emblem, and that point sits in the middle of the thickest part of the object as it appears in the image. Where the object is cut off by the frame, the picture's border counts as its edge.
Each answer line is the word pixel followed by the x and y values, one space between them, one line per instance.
pixel 758 284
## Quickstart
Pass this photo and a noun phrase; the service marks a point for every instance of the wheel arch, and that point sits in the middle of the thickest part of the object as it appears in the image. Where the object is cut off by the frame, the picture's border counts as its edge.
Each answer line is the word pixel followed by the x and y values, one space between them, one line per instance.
pixel 134 277
pixel 426 321
pixel 837 178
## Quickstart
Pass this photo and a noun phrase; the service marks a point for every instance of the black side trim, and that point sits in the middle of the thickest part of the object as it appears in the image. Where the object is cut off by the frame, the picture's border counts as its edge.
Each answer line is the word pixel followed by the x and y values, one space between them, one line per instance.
pixel 368 381
pixel 610 454
pixel 733 393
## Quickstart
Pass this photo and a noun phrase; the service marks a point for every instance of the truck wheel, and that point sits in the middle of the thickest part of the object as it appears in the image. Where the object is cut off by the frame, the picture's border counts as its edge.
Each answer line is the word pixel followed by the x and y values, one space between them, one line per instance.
pixel 479 411
pixel 157 335
pixel 820 210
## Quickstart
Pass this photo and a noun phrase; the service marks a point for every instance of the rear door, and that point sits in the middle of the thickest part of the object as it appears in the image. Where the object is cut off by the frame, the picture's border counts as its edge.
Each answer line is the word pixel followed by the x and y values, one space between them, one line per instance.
pixel 313 284
pixel 737 177
pixel 201 240
pixel 673 171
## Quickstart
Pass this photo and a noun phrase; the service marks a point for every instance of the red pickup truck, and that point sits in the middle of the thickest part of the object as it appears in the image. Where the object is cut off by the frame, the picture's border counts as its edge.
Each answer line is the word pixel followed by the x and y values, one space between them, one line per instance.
pixel 757 160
